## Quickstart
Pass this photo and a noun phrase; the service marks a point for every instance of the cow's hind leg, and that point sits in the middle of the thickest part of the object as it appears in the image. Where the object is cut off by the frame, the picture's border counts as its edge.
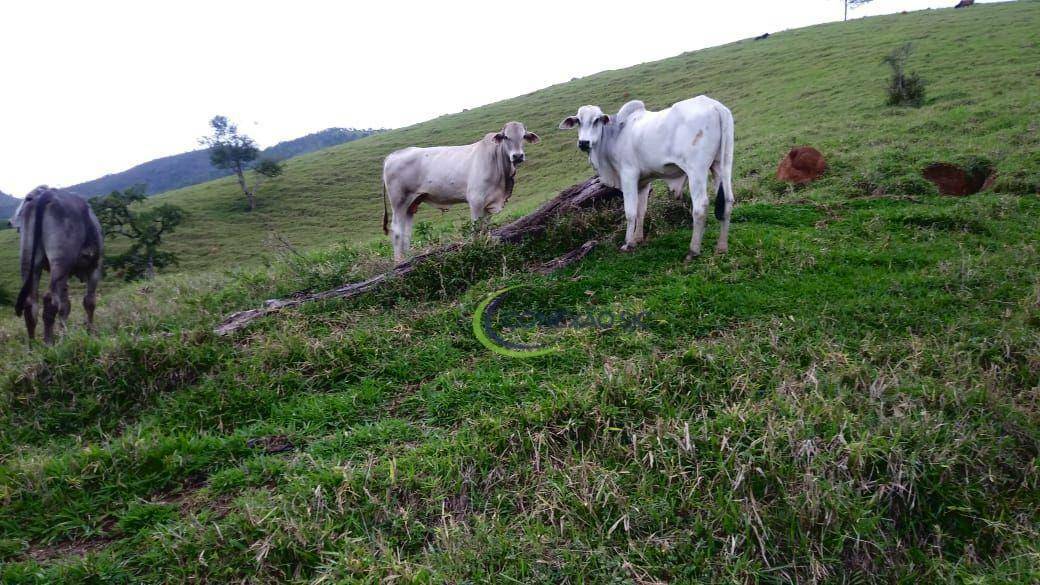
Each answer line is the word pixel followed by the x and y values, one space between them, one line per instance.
pixel 724 200
pixel 90 298
pixel 52 300
pixel 401 232
pixel 403 206
pixel 699 200
pixel 65 307
pixel 29 312
pixel 644 196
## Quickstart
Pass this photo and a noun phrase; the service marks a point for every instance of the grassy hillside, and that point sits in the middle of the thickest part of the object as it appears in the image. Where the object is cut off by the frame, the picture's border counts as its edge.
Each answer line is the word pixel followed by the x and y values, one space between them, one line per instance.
pixel 850 395
pixel 822 85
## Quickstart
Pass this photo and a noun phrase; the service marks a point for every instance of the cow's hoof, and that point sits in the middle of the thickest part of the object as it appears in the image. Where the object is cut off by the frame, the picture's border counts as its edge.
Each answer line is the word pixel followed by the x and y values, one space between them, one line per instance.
pixel 691 257
pixel 721 249
pixel 628 248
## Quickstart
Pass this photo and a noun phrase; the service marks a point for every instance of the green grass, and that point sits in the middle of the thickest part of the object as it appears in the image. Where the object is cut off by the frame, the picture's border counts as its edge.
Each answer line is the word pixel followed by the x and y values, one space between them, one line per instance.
pixel 848 396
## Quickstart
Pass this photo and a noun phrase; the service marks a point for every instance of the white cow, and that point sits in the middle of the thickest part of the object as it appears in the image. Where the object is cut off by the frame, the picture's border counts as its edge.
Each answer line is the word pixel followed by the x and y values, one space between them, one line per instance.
pixel 480 174
pixel 684 141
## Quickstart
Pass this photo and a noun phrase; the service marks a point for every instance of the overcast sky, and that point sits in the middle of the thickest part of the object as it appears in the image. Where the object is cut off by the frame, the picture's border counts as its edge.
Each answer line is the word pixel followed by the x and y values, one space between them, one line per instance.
pixel 89 88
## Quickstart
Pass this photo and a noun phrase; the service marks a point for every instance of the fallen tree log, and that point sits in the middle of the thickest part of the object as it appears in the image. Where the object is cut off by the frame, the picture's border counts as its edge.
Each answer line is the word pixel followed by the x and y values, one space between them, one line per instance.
pixel 580 196
pixel 567 259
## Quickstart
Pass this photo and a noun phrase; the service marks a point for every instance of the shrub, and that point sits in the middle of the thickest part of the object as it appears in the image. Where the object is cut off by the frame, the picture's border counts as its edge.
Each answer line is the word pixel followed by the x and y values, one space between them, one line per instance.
pixel 904 89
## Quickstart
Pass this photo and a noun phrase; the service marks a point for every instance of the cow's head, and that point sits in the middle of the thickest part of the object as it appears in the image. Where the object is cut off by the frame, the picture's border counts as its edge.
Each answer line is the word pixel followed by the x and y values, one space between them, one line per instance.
pixel 512 138
pixel 590 122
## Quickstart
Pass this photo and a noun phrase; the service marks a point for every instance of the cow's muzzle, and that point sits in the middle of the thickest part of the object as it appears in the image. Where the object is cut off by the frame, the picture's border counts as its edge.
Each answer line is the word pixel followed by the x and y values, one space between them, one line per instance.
pixel 584 145
pixel 518 158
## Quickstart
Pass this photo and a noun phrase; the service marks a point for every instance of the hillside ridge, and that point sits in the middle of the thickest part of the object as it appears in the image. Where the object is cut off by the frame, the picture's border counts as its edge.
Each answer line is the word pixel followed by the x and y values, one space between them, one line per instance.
pixel 191 168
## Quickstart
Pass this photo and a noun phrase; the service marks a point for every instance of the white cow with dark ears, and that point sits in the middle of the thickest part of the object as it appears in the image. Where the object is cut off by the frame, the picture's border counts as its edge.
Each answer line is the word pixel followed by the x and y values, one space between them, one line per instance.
pixel 685 141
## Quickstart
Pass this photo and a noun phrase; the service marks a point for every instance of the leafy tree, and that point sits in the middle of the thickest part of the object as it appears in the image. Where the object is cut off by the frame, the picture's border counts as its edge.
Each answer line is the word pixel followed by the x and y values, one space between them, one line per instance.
pixel 854 4
pixel 904 89
pixel 144 229
pixel 228 149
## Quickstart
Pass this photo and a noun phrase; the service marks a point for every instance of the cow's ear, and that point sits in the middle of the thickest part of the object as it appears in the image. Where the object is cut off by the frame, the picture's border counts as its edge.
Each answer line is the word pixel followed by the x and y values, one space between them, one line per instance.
pixel 532 138
pixel 605 119
pixel 498 138
pixel 569 122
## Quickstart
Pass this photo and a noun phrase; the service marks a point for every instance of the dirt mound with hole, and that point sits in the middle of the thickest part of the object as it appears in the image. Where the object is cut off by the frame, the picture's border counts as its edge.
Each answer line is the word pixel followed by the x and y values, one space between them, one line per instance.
pixel 802 165
pixel 954 180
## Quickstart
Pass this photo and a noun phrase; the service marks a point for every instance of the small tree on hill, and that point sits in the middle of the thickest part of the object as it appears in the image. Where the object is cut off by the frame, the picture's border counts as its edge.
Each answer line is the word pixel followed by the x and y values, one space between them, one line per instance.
pixel 854 4
pixel 144 229
pixel 233 151
pixel 904 89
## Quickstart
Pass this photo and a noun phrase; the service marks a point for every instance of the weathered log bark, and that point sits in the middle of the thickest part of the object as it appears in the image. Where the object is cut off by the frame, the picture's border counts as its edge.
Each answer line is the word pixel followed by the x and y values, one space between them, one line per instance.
pixel 575 255
pixel 579 196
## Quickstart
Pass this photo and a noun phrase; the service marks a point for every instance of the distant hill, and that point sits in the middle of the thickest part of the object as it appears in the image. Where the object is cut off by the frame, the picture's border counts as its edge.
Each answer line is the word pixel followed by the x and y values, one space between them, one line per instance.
pixel 191 168
pixel 7 206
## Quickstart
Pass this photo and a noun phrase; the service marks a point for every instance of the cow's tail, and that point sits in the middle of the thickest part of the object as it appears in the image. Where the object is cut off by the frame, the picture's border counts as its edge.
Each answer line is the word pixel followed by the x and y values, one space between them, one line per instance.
pixel 724 165
pixel 37 237
pixel 386 210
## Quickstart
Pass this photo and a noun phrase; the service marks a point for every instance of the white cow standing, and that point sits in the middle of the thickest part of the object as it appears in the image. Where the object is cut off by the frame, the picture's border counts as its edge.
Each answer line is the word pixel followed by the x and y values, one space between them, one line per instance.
pixel 682 142
pixel 481 174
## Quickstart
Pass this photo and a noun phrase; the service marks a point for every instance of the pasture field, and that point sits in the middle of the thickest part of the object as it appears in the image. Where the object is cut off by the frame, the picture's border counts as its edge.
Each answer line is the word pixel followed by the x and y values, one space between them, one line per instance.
pixel 850 395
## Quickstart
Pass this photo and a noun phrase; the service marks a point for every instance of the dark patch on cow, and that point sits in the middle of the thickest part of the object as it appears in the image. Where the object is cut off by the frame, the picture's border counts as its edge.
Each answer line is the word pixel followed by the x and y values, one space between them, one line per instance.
pixel 802 165
pixel 951 179
pixel 414 205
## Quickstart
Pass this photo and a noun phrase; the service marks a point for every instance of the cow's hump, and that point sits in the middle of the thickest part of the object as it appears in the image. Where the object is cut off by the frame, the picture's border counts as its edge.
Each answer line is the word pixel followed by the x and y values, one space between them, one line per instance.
pixel 628 110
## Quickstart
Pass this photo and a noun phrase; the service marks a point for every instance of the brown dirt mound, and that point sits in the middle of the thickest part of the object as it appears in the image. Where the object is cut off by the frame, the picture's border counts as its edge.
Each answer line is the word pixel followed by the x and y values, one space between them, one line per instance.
pixel 272 444
pixel 802 165
pixel 953 180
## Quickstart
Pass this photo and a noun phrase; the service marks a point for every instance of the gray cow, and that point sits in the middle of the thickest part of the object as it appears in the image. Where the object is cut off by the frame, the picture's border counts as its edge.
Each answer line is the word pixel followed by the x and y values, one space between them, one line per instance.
pixel 480 174
pixel 60 233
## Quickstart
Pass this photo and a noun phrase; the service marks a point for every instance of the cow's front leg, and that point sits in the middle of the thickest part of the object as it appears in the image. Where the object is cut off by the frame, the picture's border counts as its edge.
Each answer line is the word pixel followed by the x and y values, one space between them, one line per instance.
pixel 630 191
pixel 478 215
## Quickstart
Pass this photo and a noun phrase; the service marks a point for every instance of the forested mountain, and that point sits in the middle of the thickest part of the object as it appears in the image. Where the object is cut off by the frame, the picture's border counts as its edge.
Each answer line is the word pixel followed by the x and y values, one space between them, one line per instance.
pixel 7 206
pixel 191 168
